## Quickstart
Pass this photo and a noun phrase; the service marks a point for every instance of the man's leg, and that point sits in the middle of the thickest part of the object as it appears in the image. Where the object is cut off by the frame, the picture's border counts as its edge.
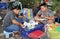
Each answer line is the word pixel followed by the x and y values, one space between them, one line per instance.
pixel 14 29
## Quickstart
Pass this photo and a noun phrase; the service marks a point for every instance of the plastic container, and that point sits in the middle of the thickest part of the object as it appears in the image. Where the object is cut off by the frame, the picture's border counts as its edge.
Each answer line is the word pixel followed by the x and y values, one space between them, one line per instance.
pixel 54 34
pixel 36 34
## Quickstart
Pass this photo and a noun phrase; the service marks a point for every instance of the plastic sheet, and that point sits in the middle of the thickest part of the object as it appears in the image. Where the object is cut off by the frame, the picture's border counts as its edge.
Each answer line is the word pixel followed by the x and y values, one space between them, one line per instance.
pixel 25 31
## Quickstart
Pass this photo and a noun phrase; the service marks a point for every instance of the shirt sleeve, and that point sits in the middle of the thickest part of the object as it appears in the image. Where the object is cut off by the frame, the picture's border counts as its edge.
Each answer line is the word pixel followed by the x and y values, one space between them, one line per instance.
pixel 51 13
pixel 39 12
pixel 12 17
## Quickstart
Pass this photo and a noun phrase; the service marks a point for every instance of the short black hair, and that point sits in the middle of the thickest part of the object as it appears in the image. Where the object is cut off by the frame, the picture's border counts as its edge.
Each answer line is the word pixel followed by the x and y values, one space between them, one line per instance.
pixel 44 4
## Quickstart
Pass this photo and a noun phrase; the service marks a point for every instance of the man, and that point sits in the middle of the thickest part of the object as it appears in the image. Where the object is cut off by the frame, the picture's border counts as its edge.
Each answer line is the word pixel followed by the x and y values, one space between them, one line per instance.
pixel 47 15
pixel 45 12
pixel 10 22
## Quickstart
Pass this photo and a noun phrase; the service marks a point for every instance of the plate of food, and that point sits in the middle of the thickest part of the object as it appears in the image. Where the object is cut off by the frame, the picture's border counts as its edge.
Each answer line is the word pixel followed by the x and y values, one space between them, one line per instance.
pixel 42 19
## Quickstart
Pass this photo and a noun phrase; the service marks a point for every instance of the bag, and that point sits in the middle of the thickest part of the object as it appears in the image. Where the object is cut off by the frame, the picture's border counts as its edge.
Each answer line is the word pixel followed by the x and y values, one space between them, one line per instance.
pixel 57 19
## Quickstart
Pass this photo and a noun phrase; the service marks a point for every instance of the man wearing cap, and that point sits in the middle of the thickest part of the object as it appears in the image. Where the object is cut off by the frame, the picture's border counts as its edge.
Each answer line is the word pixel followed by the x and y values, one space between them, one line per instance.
pixel 10 22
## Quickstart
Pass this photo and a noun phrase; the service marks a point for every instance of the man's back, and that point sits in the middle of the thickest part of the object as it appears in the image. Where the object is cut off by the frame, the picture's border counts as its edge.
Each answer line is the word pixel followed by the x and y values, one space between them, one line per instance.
pixel 8 18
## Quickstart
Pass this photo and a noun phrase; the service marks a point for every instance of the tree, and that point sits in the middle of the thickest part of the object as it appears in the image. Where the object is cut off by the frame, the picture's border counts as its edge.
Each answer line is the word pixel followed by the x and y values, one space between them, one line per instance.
pixel 28 3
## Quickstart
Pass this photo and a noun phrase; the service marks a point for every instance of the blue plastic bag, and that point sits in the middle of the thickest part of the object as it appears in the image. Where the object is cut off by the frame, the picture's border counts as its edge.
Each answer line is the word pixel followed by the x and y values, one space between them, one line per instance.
pixel 3 5
pixel 57 19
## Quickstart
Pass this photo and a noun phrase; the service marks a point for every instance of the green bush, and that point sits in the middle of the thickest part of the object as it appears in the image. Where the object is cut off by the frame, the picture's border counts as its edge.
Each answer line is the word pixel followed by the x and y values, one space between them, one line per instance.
pixel 55 4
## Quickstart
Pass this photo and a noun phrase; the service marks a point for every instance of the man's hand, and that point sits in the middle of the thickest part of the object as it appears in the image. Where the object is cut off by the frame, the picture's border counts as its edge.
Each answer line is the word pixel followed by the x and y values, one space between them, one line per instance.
pixel 47 17
pixel 43 16
pixel 22 25
pixel 41 21
pixel 20 16
pixel 50 17
pixel 17 23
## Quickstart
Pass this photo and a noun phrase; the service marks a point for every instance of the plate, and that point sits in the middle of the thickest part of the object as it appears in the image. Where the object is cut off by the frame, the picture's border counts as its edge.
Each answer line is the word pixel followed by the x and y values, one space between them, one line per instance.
pixel 41 19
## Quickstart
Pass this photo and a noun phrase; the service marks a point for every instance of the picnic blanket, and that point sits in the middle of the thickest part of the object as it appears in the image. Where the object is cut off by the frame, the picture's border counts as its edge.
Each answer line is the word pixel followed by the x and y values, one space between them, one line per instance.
pixel 26 30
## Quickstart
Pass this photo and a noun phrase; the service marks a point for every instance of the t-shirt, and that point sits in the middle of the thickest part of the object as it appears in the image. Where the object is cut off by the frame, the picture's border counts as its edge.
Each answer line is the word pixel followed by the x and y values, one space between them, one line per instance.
pixel 48 13
pixel 8 19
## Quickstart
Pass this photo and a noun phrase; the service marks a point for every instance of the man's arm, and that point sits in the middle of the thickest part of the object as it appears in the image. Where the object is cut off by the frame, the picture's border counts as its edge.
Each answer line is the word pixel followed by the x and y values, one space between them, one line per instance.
pixel 14 21
pixel 20 16
pixel 49 17
pixel 37 19
pixel 17 23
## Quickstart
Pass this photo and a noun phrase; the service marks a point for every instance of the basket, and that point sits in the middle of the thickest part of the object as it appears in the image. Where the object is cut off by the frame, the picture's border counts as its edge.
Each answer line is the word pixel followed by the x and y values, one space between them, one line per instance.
pixel 54 34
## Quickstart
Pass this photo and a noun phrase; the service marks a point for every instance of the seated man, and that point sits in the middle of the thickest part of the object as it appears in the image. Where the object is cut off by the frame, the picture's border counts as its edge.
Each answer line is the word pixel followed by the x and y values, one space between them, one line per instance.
pixel 45 13
pixel 10 22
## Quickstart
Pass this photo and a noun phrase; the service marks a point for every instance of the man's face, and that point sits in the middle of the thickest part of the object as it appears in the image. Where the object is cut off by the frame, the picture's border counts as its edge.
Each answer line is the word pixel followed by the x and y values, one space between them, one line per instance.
pixel 44 8
pixel 16 11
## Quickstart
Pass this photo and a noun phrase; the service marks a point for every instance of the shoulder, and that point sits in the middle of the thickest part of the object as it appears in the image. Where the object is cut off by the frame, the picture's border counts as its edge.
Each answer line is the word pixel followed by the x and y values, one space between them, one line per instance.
pixel 39 12
pixel 50 11
pixel 9 14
